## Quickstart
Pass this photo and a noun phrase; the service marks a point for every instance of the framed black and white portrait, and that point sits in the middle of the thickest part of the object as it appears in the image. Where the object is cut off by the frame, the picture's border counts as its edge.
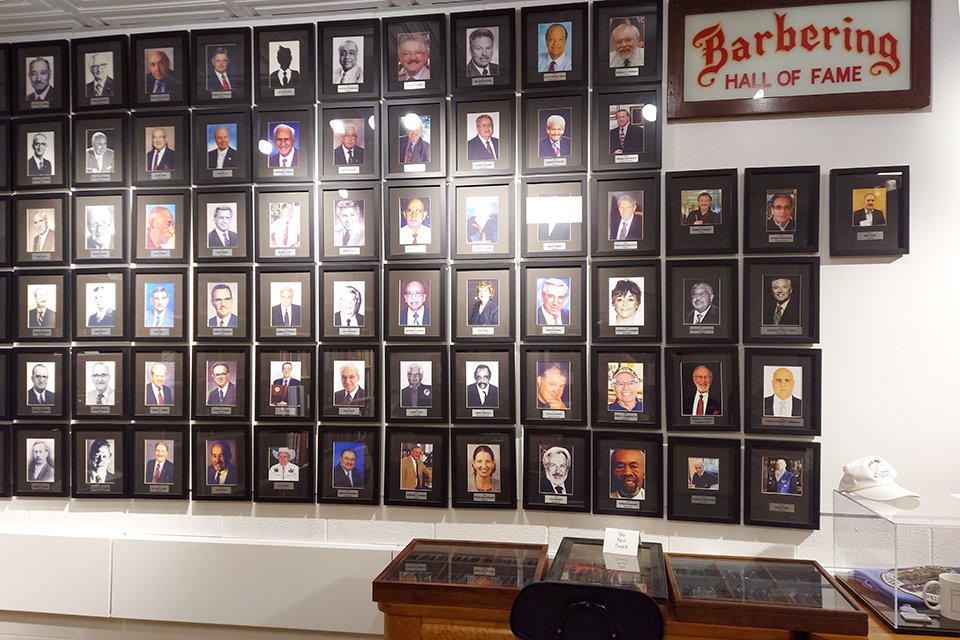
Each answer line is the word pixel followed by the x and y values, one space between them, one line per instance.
pixel 781 484
pixel 100 304
pixel 414 139
pixel 161 388
pixel 350 145
pixel 415 466
pixel 40 230
pixel 99 462
pixel 554 44
pixel 484 467
pixel 554 216
pixel 627 387
pixel 484 301
pixel 416 384
pixel 350 221
pixel 553 302
pixel 283 464
pixel 221 147
pixel 101 376
pixel 349 59
pixel 100 73
pixel 627 301
pixel 349 465
pixel 285 145
pixel 41 458
pixel 782 391
pixel 44 303
pixel 781 209
pixel 285 384
pixel 556 470
pixel 626 130
pixel 351 304
pixel 224 230
pixel 483 49
pixel 160 227
pixel 484 136
pixel 870 211
pixel 483 383
pixel 284 224
pixel 100 151
pixel 703 480
pixel 553 390
pixel 284 63
pixel 702 301
pixel 350 387
pixel 161 149
pixel 160 68
pixel 42 384
pixel 624 230
pixel 41 77
pixel 221 66
pixel 483 218
pixel 285 304
pixel 40 152
pixel 159 304
pixel 415 55
pixel 701 212
pixel 222 303
pixel 554 132
pixel 161 461
pixel 220 383
pixel 221 463
pixel 782 300
pixel 414 302
pixel 628 474
pixel 627 38
pixel 414 216
pixel 703 389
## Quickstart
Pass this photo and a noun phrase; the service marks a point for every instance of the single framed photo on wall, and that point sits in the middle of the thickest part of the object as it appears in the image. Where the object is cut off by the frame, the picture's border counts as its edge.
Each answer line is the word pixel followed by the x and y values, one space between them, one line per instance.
pixel 223 225
pixel 414 215
pixel 554 389
pixel 285 384
pixel 41 459
pixel 415 466
pixel 554 44
pixel 349 59
pixel 40 230
pixel 782 391
pixel 44 302
pixel 703 480
pixel 100 309
pixel 554 216
pixel 782 300
pixel 627 38
pixel 160 68
pixel 161 226
pixel 781 484
pixel 283 467
pixel 285 145
pixel 42 384
pixel 702 301
pixel 484 136
pixel 870 211
pixel 101 374
pixel 100 73
pixel 99 151
pixel 701 212
pixel 99 462
pixel 627 301
pixel 483 384
pixel 483 218
pixel 161 383
pixel 414 302
pixel 627 387
pixel 350 388
pixel 556 470
pixel 624 230
pixel 351 304
pixel 222 304
pixel 414 139
pixel 350 221
pixel 485 301
pixel 285 304
pixel 221 463
pixel 415 380
pixel 781 210
pixel 703 389
pixel 40 151
pixel 349 465
pixel 161 147
pixel 161 461
pixel 553 302
pixel 350 146
pixel 554 132
pixel 628 474
pixel 626 130
pixel 284 222
pixel 220 383
pixel 415 55
pixel 284 62
pixel 221 66
pixel 221 147
pixel 483 49
pixel 41 77
pixel 484 467
pixel 159 304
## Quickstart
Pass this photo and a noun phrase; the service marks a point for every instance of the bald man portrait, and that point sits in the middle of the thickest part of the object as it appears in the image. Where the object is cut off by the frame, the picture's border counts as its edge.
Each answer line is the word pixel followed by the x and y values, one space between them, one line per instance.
pixel 223 156
pixel 160 78
pixel 783 404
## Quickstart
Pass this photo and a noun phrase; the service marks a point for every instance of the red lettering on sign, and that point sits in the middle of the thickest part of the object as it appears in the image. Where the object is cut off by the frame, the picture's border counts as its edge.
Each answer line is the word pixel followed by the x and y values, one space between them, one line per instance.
pixel 808 37
pixel 714 54
pixel 786 38
pixel 741 50
pixel 833 75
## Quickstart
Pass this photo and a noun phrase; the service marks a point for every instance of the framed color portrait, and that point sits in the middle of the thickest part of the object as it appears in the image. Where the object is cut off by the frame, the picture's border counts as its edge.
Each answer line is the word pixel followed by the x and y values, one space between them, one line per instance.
pixel 782 391
pixel 284 64
pixel 414 139
pixel 283 464
pixel 221 463
pixel 222 305
pixel 483 51
pixel 703 480
pixel 703 389
pixel 349 59
pixel 870 211
pixel 221 147
pixel 414 302
pixel 627 39
pixel 553 302
pixel 351 304
pixel 624 230
pixel 99 462
pixel 483 137
pixel 284 221
pixel 224 230
pixel 161 148
pixel 628 474
pixel 627 302
pixel 485 301
pixel 41 460
pixel 44 304
pixel 553 390
pixel 40 230
pixel 41 384
pixel 781 484
pixel 781 210
pixel 414 219
pixel 483 383
pixel 556 470
pixel 416 384
pixel 350 388
pixel 554 132
pixel 100 73
pixel 782 300
pixel 99 151
pixel 554 46
pixel 484 467
pixel 101 374
pixel 161 226
pixel 702 301
pixel 100 310
pixel 701 212
pixel 415 55
pixel 221 66
pixel 626 130
pixel 159 304
pixel 627 387
pixel 161 383
pixel 285 145
pixel 415 466
pixel 220 383
pixel 350 221
pixel 285 304
pixel 285 384
pixel 483 218
pixel 160 69
pixel 350 145
pixel 40 153
pixel 161 461
pixel 554 214
pixel 349 465
pixel 41 77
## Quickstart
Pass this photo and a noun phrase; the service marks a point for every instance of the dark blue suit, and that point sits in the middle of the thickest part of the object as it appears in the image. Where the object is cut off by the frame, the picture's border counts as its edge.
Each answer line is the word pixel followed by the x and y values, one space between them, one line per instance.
pixel 546 147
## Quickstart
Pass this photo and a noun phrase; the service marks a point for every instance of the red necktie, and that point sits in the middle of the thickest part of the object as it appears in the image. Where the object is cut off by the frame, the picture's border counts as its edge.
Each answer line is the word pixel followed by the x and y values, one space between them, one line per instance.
pixel 490 150
pixel 156 160
pixel 160 396
pixel 409 152
pixel 553 66
pixel 225 82
pixel 414 238
pixel 700 405
pixel 156 472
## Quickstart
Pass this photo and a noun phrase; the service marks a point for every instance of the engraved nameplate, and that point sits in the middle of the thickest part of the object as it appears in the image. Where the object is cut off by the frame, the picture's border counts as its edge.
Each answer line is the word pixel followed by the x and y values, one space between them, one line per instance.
pixel 159 97
pixel 869 235
pixel 781 330
pixel 100 177
pixel 159 253
pixel 629 71
pixel 702 420
pixel 555 162
pixel 222 173
pixel 284 486
pixel 626 416
pixel 416 495
pixel 159 175
pixel 286 332
pixel 482 248
pixel 553 414
pixel 483 331
pixel 780 238
pixel 416 413
pixel 555 76
pixel 43 333
pixel 159 332
pixel 415 248
pixel 222 491
pixel 414 84
pixel 353 169
pixel 41 256
pixel 482 413
pixel 349 331
pixel 41 180
pixel 774 421
pixel 99 254
pixel 626 158
pixel 349 251
pixel 485 497
pixel 101 331
pixel 553 330
pixel 703 499
pixel 221 411
pixel 621 245
pixel 222 253
pixel 159 411
pixel 484 164
pixel 701 230
pixel 414 331
pixel 626 331
pixel 155 488
pixel 349 411
pixel 287 91
pixel 348 493
pixel 223 331
pixel 46 411
pixel 283 171
pixel 348 88
pixel 482 80
pixel 221 95
pixel 628 504
pixel 555 499
pixel 702 330
pixel 97 410
pixel 285 253
pixel 290 412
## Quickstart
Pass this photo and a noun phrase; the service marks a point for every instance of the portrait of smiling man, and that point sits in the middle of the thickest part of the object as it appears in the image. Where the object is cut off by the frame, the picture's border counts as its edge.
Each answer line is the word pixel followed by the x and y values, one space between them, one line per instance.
pixel 221 299
pixel 284 141
pixel 40 77
pixel 348 64
pixel 413 50
pixel 553 56
pixel 483 48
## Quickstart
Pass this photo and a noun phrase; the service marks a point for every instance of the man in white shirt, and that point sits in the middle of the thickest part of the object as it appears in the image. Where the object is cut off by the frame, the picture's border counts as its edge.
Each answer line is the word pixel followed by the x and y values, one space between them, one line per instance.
pixel 555 59
pixel 99 158
pixel 415 232
pixel 349 71
pixel 284 141
pixel 626 46
pixel 284 470
pixel 218 80
pixel 102 392
pixel 413 49
pixel 285 230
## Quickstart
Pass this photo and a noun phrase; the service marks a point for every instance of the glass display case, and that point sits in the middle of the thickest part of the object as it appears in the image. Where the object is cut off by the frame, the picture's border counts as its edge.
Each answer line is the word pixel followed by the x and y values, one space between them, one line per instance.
pixel 582 560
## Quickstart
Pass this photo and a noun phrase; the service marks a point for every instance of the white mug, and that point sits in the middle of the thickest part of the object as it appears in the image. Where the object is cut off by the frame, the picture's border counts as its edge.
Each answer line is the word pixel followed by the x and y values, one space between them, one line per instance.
pixel 949 604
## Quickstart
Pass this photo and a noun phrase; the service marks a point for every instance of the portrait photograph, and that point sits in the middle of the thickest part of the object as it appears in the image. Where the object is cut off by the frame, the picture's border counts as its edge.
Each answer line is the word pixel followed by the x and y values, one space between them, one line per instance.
pixel 703 389
pixel 414 304
pixel 285 64
pixel 870 211
pixel 627 301
pixel 163 392
pixel 414 140
pixel 415 380
pixel 99 312
pixel 627 40
pixel 782 300
pixel 42 384
pixel 42 161
pixel 628 472
pixel 483 49
pixel 221 66
pixel 99 148
pixel 285 304
pixel 702 301
pixel 222 304
pixel 350 142
pixel 283 467
pixel 483 219
pixel 554 211
pixel 782 484
pixel 626 130
pixel 350 386
pixel 554 132
pixel 554 390
pixel 349 465
pixel 285 384
pixel 285 145
pixel 484 380
pixel 484 298
pixel 414 219
pixel 161 145
pixel 221 463
pixel 351 223
pixel 703 480
pixel 349 59
pixel 284 223
pixel 159 304
pixel 160 69
pixel 701 211
pixel 40 77
pixel 39 456
pixel 223 225
pixel 480 128
pixel 100 375
pixel 553 305
pixel 44 301
pixel 415 468
pixel 415 56
pixel 627 386
pixel 161 225
pixel 100 73
pixel 783 391
pixel 484 468
pixel 99 463
pixel 351 304
pixel 781 209
pixel 39 232
pixel 554 49
pixel 160 461
pixel 221 147
pixel 556 470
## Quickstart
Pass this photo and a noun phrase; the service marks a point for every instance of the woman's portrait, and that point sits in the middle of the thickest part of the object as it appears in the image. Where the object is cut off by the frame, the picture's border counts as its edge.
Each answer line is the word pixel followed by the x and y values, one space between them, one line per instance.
pixel 484 310
pixel 483 468
pixel 626 302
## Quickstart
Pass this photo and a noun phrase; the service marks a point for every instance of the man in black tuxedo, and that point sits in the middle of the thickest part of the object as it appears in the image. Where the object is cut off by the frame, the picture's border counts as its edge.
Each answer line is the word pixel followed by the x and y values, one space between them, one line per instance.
pixel 483 146
pixel 416 394
pixel 285 314
pixel 345 474
pixel 102 84
pixel 482 48
pixel 869 216
pixel 221 235
pixel 348 152
pixel 38 394
pixel 703 310
pixel 783 404
pixel 284 76
pixel 783 309
pixel 629 224
pixel 701 402
pixel 40 75
pixel 626 137
pixel 224 156
pixel 159 470
pixel 38 165
pixel 161 78
pixel 555 475
pixel 482 394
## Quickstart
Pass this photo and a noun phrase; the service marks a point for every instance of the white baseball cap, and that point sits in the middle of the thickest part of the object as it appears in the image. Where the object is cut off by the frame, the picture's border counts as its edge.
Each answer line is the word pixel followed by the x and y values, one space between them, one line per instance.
pixel 873 478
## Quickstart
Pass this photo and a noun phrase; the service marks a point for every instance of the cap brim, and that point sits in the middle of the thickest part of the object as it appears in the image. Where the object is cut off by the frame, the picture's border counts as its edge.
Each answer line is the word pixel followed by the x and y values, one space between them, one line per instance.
pixel 885 492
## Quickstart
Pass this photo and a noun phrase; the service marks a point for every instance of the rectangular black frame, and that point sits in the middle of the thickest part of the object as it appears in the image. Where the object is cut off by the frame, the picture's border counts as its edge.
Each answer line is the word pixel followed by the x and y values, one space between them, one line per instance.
pixel 469 279
pixel 116 401
pixel 689 230
pixel 268 165
pixel 465 445
pixel 534 278
pixel 432 326
pixel 205 439
pixel 538 491
pixel 607 496
pixel 640 239
pixel 173 479
pixel 644 109
pixel 271 282
pixel 207 124
pixel 396 78
pixel 5 459
pixel 274 482
pixel 622 280
pixel 94 321
pixel 56 53
pixel 536 363
pixel 537 153
pixel 361 206
pixel 534 65
pixel 798 190
pixel 469 155
pixel 761 301
pixel 402 240
pixel 292 400
pixel 210 246
pixel 331 36
pixel 208 323
pixel 5 137
pixel 403 404
pixel 53 171
pixel 428 161
pixel 170 324
pixel 612 365
pixel 339 282
pixel 113 88
pixel 792 501
pixel 207 403
pixel 546 230
pixel 172 167
pixel 274 242
pixel 331 489
pixel 24 249
pixel 365 161
pixel 763 377
pixel 847 186
pixel 717 281
pixel 176 364
pixel 116 483
pixel 301 75
pixel 160 226
pixel 680 365
pixel 207 45
pixel 53 323
pixel 471 240
pixel 59 484
pixel 166 54
pixel 57 364
pixel 467 406
pixel 97 214
pixel 333 397
pixel 394 467
pixel 499 27
pixel 685 500
pixel 111 170
pixel 648 20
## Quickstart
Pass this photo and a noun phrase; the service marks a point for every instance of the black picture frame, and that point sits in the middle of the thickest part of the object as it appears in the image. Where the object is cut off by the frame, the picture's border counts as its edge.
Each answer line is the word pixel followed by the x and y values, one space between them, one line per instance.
pixel 209 366
pixel 563 372
pixel 484 449
pixel 555 214
pixel 52 248
pixel 493 320
pixel 160 228
pixel 765 282
pixel 337 83
pixel 355 211
pixel 494 117
pixel 615 287
pixel 210 46
pixel 542 446
pixel 107 135
pixel 6 357
pixel 573 67
pixel 173 401
pixel 209 127
pixel 29 405
pixel 100 309
pixel 280 238
pixel 172 481
pixel 5 461
pixel 269 165
pixel 170 129
pixel 283 396
pixel 100 224
pixel 719 499
pixel 398 281
pixel 537 152
pixel 647 18
pixel 232 208
pixel 100 63
pixel 101 371
pixel 272 321
pixel 232 445
pixel 49 137
pixel 44 303
pixel 690 231
pixel 6 135
pixel 351 303
pixel 362 160
pixel 891 185
pixel 541 285
pixel 336 401
pixel 614 365
pixel 160 69
pixel 770 373
pixel 52 478
pixel 427 156
pixel 336 488
pixel 497 404
pixel 712 281
pixel 613 495
pixel 493 34
pixel 422 203
pixel 496 199
pixel 153 317
pixel 427 401
pixel 294 481
pixel 6 229
pixel 433 443
pixel 641 239
pixel 788 501
pixel 5 84
pixel 290 45
pixel 413 32
pixel 719 414
pixel 55 94
pixel 222 304
pixel 798 191
pixel 90 445
pixel 639 149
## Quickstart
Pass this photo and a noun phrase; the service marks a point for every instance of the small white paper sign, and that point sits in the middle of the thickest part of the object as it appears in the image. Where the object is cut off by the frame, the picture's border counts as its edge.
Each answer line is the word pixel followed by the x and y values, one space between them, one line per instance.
pixel 621 541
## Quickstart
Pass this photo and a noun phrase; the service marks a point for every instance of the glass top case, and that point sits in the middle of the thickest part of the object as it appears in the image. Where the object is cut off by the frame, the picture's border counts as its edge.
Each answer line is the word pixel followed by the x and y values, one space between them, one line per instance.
pixel 502 565
pixel 582 560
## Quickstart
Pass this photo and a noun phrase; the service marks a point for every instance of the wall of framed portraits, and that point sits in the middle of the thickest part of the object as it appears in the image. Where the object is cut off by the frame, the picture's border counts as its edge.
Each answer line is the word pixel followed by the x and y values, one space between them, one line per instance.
pixel 452 276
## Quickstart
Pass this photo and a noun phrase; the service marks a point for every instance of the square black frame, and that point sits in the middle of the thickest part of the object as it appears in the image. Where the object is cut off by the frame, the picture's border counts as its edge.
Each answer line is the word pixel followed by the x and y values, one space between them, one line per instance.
pixel 333 35
pixel 5 137
pixel 5 460
pixel 501 24
pixel 393 491
pixel 641 240
pixel 534 277
pixel 239 281
pixel 58 95
pixel 762 186
pixel 795 326
pixel 301 441
pixel 365 208
pixel 568 16
pixel 25 207
pixel 467 238
pixel 332 402
pixel 86 248
pixel 206 88
pixel 469 323
pixel 172 326
pixel 270 285
pixel 680 365
pixel 205 436
pixel 273 242
pixel 335 280
pixel 209 245
pixel 91 322
pixel 173 47
pixel 720 321
pixel 644 106
pixel 173 166
pixel 270 88
pixel 536 153
pixel 432 362
pixel 56 133
pixel 86 172
pixel 465 443
pixel 5 83
pixel 57 363
pixel 398 200
pixel 606 497
pixel 113 94
pixel 760 367
pixel 6 357
pixel 267 165
pixel 626 277
pixel 468 156
pixel 568 236
pixel 145 402
pixel 22 435
pixel 644 364
pixel 765 508
pixel 849 185
pixel 334 163
pixel 396 83
pixel 149 205
pixel 85 405
pixel 333 441
pixel 54 324
pixel 692 503
pixel 398 116
pixel 236 163
pixel 274 398
pixel 205 388
pixel 142 437
pixel 685 234
pixel 6 228
pixel 394 277
pixel 117 483
pixel 465 360
pixel 648 19
pixel 538 361
pixel 536 485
